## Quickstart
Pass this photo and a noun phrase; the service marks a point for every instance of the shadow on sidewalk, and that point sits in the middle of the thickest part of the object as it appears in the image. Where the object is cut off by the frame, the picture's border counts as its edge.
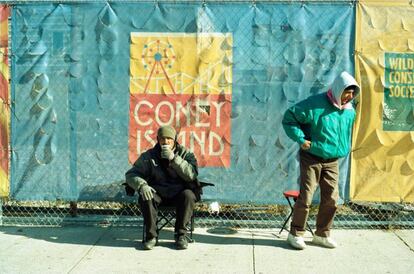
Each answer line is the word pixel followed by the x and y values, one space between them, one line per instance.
pixel 131 236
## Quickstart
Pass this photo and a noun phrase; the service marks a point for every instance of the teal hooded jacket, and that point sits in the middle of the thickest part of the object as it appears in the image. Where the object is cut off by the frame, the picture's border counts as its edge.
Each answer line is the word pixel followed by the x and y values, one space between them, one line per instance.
pixel 322 120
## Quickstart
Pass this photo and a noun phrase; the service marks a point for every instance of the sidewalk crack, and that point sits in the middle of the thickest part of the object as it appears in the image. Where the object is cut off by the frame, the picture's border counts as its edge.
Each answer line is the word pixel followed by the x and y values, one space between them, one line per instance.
pixel 88 251
pixel 254 255
pixel 402 240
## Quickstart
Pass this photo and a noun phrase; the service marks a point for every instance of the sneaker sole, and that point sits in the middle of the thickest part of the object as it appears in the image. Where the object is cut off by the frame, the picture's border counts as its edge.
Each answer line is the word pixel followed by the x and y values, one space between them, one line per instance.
pixel 322 245
pixel 296 246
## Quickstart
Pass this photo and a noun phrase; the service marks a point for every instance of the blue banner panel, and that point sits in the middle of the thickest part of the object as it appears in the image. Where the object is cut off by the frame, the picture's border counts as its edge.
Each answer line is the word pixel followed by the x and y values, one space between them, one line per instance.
pixel 71 91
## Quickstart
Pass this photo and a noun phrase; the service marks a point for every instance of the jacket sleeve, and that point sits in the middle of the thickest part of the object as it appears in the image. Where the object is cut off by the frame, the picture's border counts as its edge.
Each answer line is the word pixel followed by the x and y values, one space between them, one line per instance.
pixel 185 166
pixel 293 118
pixel 137 176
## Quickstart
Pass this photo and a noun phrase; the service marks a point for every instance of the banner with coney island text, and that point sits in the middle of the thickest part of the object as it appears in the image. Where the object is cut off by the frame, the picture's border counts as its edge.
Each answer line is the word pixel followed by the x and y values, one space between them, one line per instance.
pixel 183 80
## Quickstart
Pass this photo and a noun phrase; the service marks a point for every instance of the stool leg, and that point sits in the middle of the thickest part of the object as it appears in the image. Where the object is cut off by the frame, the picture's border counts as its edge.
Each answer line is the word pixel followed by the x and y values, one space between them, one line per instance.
pixel 290 215
pixel 284 224
pixel 309 228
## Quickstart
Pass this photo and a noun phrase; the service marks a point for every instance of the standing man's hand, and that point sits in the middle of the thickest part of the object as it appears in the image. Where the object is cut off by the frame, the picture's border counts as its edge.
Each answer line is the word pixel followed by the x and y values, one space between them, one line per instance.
pixel 167 152
pixel 306 145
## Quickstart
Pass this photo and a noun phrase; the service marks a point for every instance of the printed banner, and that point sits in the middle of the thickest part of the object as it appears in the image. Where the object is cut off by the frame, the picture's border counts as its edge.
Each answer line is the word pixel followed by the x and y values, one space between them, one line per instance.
pixel 382 166
pixel 4 103
pixel 398 92
pixel 92 83
pixel 183 80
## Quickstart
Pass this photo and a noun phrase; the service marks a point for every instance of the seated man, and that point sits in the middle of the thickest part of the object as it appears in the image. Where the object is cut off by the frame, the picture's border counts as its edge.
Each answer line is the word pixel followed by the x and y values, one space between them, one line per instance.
pixel 167 174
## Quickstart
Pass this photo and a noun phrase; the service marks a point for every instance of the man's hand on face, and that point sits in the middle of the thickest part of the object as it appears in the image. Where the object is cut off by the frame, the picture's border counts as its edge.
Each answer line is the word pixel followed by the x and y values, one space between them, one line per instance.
pixel 167 152
pixel 306 145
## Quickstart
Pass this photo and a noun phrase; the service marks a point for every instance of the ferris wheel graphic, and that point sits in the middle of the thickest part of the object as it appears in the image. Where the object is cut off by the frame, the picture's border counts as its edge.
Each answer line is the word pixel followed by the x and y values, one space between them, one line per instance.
pixel 158 57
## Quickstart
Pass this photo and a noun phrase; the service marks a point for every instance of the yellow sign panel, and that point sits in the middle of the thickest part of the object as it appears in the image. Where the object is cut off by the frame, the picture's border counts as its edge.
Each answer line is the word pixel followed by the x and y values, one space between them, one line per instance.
pixel 181 63
pixel 382 167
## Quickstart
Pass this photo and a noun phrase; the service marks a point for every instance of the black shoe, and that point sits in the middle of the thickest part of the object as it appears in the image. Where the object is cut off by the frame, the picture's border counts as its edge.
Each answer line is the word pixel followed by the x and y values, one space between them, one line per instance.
pixel 149 244
pixel 181 242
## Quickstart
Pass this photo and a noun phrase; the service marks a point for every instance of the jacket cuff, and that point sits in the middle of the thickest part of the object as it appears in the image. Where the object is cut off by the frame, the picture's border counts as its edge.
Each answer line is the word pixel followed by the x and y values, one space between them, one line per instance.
pixel 136 183
pixel 177 160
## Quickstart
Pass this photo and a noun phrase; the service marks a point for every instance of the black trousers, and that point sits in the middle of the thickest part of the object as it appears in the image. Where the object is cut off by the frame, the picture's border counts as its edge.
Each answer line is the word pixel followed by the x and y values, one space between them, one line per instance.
pixel 184 203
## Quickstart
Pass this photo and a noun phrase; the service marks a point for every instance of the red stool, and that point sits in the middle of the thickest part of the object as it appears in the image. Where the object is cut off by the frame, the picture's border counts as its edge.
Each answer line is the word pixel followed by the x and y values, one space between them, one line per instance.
pixel 292 194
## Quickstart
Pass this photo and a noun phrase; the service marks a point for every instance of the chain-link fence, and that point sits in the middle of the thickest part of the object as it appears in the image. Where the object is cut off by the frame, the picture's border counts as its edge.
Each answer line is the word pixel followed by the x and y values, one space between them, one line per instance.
pixel 350 215
pixel 70 118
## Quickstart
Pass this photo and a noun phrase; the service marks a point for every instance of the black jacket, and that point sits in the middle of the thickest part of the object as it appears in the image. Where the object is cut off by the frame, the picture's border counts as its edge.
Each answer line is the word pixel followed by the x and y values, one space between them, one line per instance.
pixel 168 178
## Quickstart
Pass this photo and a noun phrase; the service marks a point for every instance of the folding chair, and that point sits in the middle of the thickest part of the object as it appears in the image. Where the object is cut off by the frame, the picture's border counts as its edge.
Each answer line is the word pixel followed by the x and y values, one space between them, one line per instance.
pixel 292 194
pixel 166 216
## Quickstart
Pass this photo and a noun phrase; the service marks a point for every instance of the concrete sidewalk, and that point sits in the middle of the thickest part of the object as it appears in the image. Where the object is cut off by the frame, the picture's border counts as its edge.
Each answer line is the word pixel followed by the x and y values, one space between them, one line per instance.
pixel 76 249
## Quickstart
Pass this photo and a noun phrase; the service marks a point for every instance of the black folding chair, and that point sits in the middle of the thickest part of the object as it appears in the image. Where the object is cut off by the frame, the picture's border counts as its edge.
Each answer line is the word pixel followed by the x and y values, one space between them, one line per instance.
pixel 167 215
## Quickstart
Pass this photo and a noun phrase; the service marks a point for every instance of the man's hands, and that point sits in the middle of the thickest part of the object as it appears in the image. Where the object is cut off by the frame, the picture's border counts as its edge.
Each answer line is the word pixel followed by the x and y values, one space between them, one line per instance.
pixel 147 192
pixel 306 145
pixel 167 152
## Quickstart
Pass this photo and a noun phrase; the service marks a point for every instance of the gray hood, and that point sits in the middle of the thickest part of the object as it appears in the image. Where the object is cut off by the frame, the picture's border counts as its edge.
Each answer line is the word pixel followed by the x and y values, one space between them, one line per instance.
pixel 341 82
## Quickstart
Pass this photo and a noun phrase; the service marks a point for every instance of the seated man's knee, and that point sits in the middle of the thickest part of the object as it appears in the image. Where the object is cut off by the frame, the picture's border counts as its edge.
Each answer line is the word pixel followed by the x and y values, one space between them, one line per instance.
pixel 188 195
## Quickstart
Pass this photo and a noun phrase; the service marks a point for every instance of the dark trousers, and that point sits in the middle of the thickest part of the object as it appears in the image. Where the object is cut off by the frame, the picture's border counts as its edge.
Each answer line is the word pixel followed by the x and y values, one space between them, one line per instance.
pixel 316 171
pixel 184 203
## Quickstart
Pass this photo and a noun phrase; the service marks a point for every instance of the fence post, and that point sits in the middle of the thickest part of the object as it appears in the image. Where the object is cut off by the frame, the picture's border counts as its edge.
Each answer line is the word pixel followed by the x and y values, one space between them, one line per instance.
pixel 73 209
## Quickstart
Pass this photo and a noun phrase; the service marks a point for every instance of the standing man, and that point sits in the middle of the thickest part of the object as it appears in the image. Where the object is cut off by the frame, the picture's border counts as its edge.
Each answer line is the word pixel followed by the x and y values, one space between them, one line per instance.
pixel 322 126
pixel 167 174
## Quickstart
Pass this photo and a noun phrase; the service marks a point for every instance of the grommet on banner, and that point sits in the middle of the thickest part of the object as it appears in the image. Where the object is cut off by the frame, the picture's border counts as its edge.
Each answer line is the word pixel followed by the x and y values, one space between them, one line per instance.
pixel 355 52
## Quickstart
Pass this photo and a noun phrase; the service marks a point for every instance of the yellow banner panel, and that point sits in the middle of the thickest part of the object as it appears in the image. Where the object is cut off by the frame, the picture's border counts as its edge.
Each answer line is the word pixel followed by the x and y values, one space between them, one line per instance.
pixel 181 63
pixel 387 2
pixel 382 167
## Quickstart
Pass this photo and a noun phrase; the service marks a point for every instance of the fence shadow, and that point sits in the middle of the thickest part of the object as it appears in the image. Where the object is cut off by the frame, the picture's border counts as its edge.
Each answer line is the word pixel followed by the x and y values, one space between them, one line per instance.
pixel 131 236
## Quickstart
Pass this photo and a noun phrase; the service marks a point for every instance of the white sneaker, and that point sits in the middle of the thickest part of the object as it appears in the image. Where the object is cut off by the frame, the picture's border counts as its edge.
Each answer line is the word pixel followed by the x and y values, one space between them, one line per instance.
pixel 296 241
pixel 324 241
